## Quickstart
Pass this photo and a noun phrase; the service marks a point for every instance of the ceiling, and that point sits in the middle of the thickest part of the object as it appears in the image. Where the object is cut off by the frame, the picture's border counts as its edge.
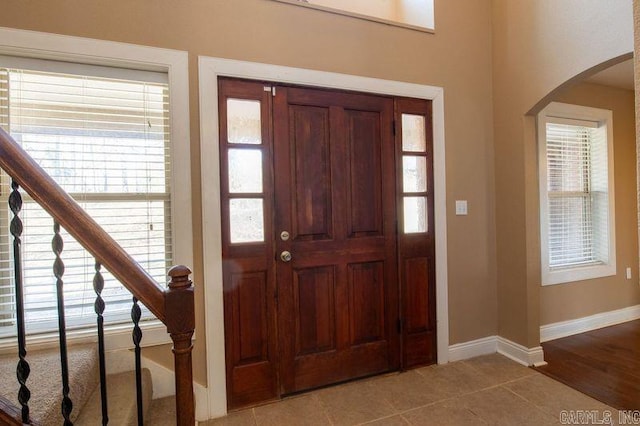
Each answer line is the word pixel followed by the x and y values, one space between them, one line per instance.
pixel 620 75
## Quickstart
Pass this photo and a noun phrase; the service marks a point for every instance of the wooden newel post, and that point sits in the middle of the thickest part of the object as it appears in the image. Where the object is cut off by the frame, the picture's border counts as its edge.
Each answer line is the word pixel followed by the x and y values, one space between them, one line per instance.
pixel 180 320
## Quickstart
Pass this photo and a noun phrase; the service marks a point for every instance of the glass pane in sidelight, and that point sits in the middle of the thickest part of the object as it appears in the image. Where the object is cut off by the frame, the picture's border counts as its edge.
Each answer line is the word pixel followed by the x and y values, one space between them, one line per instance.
pixel 243 121
pixel 413 133
pixel 415 215
pixel 246 220
pixel 245 171
pixel 414 174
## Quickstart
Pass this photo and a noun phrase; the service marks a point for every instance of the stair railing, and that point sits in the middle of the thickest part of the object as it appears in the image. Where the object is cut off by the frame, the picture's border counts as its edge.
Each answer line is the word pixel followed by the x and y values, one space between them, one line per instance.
pixel 174 306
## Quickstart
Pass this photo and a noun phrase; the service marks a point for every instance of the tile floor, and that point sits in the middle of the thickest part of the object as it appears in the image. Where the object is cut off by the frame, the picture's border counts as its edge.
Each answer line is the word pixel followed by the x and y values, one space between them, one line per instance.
pixel 488 390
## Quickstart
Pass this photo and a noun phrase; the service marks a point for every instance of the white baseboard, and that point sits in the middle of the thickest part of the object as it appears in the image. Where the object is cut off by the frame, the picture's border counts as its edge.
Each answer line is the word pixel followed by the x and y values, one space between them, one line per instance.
pixel 519 353
pixel 201 395
pixel 580 325
pixel 497 344
pixel 473 348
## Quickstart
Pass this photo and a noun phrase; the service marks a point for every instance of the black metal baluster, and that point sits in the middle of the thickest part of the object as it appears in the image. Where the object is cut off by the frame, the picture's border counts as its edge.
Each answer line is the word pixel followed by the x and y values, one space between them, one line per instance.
pixel 98 286
pixel 136 313
pixel 58 271
pixel 23 369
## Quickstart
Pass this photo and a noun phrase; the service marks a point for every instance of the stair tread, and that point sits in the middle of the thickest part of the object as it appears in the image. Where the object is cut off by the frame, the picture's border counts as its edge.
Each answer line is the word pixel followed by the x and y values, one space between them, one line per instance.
pixel 162 412
pixel 121 394
pixel 45 381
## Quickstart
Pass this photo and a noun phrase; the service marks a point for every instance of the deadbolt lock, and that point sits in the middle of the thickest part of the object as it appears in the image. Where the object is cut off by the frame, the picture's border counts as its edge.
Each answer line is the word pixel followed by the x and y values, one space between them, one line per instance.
pixel 284 235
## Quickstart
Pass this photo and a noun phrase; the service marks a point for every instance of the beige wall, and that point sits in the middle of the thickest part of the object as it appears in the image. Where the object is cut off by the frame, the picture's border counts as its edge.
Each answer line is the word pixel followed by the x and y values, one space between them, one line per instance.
pixel 538 45
pixel 457 57
pixel 582 298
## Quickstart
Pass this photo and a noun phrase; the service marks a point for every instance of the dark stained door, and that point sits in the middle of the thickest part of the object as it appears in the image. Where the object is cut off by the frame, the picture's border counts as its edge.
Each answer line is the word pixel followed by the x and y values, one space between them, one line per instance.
pixel 357 296
pixel 335 213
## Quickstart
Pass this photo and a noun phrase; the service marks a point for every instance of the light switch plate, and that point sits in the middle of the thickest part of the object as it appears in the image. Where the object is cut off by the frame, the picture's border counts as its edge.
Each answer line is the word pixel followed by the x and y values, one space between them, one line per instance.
pixel 461 207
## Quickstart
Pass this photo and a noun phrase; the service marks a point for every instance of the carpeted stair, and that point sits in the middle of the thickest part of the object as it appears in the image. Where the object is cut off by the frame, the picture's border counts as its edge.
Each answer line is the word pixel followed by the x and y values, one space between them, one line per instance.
pixel 122 407
pixel 45 381
pixel 162 412
pixel 45 385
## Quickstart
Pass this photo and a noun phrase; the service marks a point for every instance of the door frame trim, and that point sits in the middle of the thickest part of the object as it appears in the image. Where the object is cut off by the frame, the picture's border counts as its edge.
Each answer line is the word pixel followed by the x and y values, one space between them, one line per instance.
pixel 209 69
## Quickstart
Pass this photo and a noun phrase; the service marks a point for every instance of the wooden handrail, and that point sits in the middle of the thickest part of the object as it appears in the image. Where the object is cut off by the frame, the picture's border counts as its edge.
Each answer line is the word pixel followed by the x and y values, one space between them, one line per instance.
pixel 55 201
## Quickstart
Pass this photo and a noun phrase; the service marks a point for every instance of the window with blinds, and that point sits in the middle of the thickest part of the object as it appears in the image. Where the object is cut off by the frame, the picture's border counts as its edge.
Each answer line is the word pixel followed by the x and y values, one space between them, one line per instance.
pixel 103 135
pixel 575 191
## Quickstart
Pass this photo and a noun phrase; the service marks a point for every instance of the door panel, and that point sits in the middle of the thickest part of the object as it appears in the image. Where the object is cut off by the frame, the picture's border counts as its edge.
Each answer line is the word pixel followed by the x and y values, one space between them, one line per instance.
pixel 366 294
pixel 338 294
pixel 417 303
pixel 314 295
pixel 311 173
pixel 364 196
pixel 249 334
pixel 250 309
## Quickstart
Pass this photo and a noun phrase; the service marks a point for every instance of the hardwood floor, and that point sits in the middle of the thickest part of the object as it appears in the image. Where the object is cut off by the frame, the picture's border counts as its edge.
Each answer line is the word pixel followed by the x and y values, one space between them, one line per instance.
pixel 604 364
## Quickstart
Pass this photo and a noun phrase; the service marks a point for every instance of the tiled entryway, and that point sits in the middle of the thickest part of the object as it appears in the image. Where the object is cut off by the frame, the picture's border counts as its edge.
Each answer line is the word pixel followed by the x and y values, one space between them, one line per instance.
pixel 488 390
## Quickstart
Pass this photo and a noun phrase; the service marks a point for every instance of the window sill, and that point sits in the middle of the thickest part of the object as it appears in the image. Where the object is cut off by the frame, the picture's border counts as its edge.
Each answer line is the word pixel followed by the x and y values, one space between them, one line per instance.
pixel 360 16
pixel 579 273
pixel 117 337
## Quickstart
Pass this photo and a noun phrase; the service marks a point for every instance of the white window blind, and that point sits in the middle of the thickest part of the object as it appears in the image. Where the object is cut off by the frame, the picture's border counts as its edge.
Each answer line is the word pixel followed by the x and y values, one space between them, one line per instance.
pixel 572 169
pixel 106 142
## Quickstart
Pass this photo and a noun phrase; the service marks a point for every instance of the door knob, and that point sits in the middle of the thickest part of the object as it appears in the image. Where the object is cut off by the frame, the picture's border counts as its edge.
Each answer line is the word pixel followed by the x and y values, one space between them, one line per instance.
pixel 285 256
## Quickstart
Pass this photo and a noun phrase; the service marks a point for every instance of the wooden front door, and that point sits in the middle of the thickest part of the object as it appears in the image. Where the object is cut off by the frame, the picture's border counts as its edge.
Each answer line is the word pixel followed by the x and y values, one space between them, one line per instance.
pixel 335 203
pixel 327 237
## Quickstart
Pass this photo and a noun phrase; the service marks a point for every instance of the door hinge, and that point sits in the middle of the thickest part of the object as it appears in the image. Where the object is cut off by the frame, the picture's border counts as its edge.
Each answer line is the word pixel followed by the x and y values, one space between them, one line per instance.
pixel 399 325
pixel 393 126
pixel 271 89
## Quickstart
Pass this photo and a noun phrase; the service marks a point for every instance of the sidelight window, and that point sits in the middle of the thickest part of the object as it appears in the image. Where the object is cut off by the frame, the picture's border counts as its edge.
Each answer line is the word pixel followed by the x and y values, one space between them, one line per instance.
pixel 244 165
pixel 414 174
